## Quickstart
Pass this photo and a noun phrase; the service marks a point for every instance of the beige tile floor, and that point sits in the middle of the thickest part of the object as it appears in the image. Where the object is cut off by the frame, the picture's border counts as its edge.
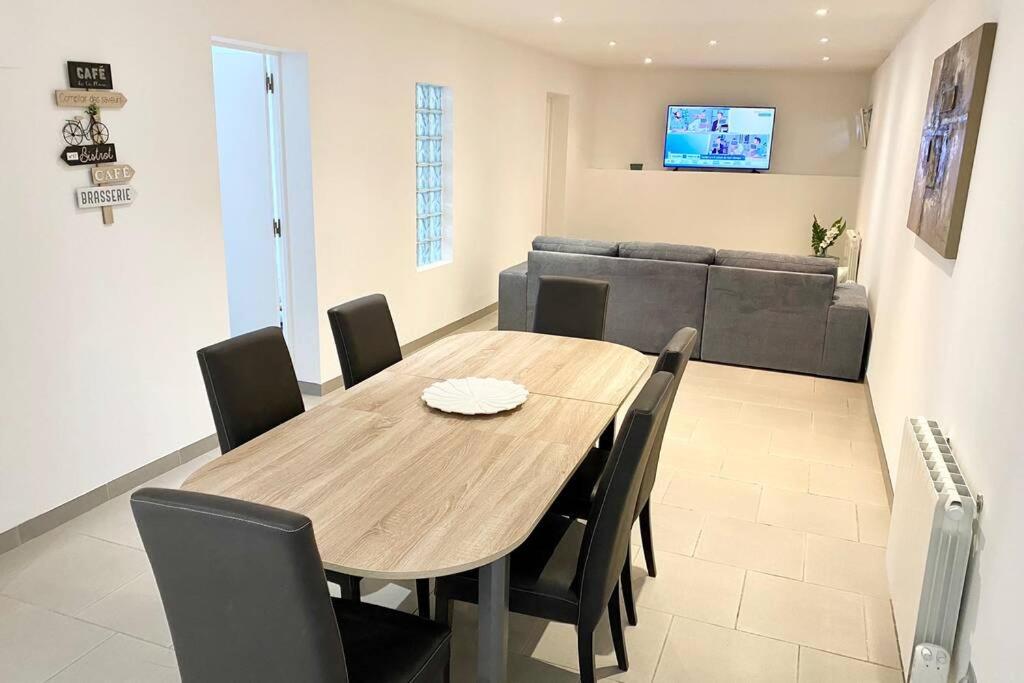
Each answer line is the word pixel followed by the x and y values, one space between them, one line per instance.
pixel 770 523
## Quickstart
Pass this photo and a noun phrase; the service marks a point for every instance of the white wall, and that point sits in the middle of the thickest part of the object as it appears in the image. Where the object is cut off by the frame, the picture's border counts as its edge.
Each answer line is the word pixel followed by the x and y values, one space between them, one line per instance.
pixel 363 161
pixel 770 212
pixel 102 323
pixel 947 334
pixel 815 160
pixel 815 130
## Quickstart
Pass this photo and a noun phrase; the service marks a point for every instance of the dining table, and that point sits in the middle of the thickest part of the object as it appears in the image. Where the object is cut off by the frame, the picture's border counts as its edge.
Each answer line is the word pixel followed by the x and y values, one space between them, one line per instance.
pixel 398 490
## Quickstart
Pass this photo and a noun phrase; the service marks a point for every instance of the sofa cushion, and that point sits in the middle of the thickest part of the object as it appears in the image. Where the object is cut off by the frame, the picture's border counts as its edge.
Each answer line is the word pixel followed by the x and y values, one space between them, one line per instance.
pixel 575 245
pixel 760 260
pixel 662 251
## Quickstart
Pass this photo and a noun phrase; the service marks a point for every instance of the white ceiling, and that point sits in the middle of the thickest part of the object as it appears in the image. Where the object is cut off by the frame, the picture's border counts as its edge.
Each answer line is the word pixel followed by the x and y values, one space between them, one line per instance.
pixel 750 33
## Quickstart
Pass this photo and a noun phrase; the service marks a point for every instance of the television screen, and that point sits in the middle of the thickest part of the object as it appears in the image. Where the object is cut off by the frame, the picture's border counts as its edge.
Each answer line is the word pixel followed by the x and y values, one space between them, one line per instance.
pixel 719 137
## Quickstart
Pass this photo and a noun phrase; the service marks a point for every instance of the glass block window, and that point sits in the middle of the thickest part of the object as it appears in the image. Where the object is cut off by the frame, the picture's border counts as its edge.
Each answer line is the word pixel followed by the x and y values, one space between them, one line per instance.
pixel 433 227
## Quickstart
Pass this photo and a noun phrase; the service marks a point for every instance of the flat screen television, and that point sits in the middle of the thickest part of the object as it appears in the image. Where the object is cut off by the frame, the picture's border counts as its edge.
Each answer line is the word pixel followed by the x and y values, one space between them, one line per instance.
pixel 737 138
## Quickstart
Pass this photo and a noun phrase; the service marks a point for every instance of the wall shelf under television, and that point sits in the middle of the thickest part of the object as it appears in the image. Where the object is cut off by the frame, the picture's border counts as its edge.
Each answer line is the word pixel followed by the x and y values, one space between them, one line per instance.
pixel 763 212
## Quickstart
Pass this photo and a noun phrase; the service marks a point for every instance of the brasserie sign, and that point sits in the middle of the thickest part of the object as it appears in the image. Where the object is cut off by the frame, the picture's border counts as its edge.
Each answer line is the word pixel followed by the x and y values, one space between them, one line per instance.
pixel 113 195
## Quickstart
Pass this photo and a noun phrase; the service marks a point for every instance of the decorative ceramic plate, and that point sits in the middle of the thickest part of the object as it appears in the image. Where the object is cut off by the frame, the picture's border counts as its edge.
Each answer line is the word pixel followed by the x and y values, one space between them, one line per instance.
pixel 475 396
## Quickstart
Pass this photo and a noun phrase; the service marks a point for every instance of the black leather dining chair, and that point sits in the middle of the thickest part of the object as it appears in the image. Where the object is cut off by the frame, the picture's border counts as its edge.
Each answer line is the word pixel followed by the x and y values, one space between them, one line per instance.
pixel 364 334
pixel 542 586
pixel 244 591
pixel 574 307
pixel 251 385
pixel 366 340
pixel 577 496
pixel 571 307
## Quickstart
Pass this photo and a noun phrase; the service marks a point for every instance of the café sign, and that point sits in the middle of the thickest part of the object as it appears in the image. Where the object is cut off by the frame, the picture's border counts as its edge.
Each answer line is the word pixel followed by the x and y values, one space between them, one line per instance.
pixel 111 174
pixel 89 75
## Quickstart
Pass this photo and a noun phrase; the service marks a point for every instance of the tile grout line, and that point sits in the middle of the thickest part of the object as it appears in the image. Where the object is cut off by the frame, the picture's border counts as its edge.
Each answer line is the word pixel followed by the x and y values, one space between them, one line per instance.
pixel 856 518
pixel 106 540
pixel 80 620
pixel 739 603
pixel 82 656
pixel 760 635
pixel 664 645
pixel 803 567
pixel 867 639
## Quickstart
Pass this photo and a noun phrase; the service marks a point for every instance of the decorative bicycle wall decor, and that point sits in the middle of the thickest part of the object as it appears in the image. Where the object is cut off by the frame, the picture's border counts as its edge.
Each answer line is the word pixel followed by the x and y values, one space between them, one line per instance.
pixel 75 133
pixel 88 140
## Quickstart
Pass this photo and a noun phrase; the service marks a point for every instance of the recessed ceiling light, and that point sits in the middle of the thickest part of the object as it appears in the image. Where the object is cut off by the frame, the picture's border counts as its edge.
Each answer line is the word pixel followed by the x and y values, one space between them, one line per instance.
pixel 556 19
pixel 826 59
pixel 823 12
pixel 823 40
pixel 648 60
pixel 712 43
pixel 612 43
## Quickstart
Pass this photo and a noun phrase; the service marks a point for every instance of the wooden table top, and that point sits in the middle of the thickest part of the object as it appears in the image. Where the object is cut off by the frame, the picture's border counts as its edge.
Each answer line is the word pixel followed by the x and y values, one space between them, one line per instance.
pixel 398 490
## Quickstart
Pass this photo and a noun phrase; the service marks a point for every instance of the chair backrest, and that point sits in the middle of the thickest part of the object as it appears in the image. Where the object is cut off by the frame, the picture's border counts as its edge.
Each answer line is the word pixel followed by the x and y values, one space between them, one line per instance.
pixel 243 587
pixel 673 358
pixel 571 307
pixel 365 336
pixel 607 533
pixel 251 384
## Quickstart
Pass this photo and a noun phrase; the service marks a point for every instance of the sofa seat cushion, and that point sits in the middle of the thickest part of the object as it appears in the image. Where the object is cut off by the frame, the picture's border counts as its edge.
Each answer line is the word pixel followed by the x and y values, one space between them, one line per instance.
pixel 575 245
pixel 760 260
pixel 662 251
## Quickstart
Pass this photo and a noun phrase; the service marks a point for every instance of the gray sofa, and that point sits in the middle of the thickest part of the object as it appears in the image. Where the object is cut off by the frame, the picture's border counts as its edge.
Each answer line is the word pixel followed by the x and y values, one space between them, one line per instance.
pixel 749 308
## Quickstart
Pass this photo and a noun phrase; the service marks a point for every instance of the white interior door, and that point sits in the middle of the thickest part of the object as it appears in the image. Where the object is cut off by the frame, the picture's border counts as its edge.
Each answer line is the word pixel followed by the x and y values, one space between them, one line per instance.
pixel 247 189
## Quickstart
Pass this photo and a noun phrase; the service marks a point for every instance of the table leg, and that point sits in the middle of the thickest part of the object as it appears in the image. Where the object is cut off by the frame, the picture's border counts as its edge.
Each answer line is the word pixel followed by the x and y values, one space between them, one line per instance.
pixel 492 660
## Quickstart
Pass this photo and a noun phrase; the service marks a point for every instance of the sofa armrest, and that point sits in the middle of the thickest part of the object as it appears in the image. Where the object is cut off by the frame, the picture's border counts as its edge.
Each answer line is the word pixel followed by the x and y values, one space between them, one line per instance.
pixel 846 334
pixel 512 298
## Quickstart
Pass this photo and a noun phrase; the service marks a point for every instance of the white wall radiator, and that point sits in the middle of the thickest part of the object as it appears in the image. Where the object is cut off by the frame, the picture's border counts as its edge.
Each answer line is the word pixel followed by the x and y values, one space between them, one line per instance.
pixel 929 544
pixel 852 255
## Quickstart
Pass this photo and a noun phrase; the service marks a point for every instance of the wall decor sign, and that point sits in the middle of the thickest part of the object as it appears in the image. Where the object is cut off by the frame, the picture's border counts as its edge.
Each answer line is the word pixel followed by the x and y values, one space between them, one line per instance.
pixel 85 98
pixel 88 138
pixel 114 195
pixel 951 126
pixel 89 75
pixel 111 174
pixel 83 155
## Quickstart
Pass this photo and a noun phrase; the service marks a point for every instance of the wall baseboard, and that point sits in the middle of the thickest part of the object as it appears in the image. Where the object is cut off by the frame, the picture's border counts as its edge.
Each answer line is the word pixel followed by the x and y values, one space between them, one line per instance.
pixel 51 519
pixel 40 524
pixel 314 389
pixel 882 458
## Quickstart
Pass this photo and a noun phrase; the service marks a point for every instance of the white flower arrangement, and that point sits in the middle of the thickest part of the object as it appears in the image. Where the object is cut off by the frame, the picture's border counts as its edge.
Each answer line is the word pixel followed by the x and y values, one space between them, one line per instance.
pixel 822 239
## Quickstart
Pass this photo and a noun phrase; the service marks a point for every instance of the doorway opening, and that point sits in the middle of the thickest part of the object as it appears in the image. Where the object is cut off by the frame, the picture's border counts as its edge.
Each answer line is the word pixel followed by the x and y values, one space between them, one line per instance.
pixel 251 187
pixel 261 99
pixel 556 160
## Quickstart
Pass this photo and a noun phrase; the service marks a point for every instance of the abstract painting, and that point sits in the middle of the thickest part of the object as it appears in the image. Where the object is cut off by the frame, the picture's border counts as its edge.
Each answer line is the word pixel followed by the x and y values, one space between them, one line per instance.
pixel 951 126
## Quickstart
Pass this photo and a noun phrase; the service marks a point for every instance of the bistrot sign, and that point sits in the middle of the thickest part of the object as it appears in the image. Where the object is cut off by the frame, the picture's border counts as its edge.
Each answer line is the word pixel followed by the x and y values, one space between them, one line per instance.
pixel 80 155
pixel 113 195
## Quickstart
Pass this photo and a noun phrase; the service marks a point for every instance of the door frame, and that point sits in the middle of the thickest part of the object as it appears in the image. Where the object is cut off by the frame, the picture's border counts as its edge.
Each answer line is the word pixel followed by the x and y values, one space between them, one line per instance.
pixel 278 171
